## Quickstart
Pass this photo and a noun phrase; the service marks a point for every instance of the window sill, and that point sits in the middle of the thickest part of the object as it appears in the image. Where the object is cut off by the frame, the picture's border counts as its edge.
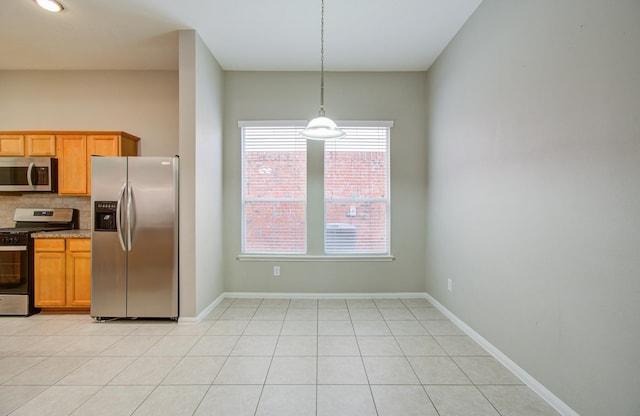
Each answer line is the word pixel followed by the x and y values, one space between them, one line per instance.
pixel 307 258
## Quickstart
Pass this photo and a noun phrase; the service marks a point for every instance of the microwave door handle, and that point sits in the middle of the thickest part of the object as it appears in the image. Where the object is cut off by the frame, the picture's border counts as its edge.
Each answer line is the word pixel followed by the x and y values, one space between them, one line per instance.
pixel 119 217
pixel 29 172
pixel 130 219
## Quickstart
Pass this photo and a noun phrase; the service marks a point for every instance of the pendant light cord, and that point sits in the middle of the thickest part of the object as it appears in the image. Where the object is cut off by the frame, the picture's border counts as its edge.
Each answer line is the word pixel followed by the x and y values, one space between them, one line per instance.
pixel 322 60
pixel 322 128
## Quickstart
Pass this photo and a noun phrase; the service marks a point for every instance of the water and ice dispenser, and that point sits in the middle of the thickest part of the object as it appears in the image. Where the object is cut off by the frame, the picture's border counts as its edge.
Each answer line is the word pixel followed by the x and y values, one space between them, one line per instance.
pixel 105 215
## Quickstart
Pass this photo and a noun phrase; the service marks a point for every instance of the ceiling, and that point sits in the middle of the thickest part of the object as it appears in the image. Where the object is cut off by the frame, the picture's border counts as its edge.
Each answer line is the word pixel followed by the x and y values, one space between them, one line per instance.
pixel 244 35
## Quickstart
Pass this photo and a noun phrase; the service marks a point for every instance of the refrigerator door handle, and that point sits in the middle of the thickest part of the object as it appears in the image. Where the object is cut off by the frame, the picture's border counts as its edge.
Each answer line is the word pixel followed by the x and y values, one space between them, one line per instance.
pixel 130 218
pixel 119 217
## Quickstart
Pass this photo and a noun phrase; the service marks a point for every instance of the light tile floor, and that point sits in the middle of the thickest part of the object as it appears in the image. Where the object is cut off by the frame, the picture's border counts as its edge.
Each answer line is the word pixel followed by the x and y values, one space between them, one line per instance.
pixel 326 357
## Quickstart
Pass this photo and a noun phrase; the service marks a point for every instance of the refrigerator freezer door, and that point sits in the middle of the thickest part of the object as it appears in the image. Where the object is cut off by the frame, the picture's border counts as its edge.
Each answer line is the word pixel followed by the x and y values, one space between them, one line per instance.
pixel 152 283
pixel 108 259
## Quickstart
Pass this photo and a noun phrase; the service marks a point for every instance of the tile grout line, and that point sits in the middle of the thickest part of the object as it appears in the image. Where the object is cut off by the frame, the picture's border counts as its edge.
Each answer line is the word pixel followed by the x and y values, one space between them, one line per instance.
pixel 195 410
pixel 362 358
pixel 411 366
pixel 226 358
pixel 273 353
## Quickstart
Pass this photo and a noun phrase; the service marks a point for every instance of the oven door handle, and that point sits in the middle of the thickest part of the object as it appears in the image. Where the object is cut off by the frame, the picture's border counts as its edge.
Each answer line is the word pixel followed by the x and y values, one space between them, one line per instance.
pixel 13 248
pixel 29 172
pixel 119 217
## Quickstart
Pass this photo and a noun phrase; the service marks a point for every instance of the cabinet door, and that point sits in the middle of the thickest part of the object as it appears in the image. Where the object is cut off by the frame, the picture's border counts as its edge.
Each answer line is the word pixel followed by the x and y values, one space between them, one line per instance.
pixel 78 279
pixel 72 165
pixel 41 145
pixel 49 277
pixel 11 145
pixel 101 145
pixel 78 272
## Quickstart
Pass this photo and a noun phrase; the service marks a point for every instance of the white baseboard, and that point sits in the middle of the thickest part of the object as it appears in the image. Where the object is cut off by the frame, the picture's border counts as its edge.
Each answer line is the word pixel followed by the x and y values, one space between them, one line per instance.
pixel 271 295
pixel 526 378
pixel 206 311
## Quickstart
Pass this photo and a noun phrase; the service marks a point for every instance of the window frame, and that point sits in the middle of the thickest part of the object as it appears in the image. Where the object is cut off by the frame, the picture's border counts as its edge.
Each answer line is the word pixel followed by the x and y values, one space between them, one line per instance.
pixel 318 257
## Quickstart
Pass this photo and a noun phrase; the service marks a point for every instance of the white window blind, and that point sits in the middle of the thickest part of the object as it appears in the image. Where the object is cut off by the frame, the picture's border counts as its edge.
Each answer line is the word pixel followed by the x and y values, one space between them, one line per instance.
pixel 274 184
pixel 356 192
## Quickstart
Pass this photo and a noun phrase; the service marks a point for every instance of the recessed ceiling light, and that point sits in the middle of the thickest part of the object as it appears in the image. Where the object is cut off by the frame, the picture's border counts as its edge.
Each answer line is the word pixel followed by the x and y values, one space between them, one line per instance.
pixel 51 5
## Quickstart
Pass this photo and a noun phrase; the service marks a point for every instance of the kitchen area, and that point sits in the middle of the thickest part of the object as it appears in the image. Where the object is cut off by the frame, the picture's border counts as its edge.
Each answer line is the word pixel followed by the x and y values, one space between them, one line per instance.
pixel 47 221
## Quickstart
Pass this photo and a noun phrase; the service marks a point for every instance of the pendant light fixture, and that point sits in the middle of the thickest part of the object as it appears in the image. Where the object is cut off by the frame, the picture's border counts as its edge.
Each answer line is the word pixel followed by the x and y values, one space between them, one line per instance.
pixel 321 127
pixel 50 5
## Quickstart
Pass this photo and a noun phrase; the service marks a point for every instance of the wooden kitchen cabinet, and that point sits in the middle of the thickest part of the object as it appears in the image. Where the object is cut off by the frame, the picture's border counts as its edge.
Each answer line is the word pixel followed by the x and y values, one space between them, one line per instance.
pixel 29 145
pixel 62 274
pixel 78 272
pixel 40 145
pixel 49 272
pixel 75 151
pixel 103 145
pixel 72 164
pixel 11 145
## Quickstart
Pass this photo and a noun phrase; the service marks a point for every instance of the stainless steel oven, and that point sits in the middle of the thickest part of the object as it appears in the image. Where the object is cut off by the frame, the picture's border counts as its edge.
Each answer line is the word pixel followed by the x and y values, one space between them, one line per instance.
pixel 16 255
pixel 14 274
pixel 25 174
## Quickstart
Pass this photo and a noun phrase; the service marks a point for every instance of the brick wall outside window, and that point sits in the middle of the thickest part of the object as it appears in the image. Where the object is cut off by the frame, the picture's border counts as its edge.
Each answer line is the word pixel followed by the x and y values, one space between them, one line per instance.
pixel 277 223
pixel 355 193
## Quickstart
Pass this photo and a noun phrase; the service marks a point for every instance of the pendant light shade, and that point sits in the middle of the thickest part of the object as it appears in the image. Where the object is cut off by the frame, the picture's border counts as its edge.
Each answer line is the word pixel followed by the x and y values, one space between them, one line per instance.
pixel 50 5
pixel 321 127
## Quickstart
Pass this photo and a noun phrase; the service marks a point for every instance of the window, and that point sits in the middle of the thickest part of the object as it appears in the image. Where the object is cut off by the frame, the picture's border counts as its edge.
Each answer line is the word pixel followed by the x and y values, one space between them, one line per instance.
pixel 356 192
pixel 274 190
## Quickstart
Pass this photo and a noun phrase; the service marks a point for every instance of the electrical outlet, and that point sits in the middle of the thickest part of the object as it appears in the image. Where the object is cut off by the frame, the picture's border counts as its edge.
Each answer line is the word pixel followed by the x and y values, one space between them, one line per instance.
pixel 450 284
pixel 276 271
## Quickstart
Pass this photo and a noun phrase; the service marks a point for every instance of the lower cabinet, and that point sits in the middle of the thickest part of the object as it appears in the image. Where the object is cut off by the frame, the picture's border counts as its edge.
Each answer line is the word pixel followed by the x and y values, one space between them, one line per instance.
pixel 62 274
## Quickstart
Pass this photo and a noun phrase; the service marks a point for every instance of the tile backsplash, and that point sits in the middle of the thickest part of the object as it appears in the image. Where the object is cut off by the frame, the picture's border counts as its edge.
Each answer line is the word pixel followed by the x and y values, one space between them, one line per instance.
pixel 9 203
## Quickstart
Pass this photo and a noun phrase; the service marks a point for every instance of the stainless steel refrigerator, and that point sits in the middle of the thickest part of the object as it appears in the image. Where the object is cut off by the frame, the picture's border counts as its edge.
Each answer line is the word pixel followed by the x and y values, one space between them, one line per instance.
pixel 134 237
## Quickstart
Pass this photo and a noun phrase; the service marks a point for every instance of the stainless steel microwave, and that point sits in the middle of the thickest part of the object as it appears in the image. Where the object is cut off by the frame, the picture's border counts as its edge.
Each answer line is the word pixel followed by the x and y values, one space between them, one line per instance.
pixel 27 174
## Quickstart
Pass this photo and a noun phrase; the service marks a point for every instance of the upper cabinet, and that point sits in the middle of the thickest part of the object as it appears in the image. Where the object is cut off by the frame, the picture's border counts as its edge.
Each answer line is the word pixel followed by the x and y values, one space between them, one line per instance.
pixel 73 151
pixel 72 164
pixel 11 145
pixel 29 145
pixel 40 145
